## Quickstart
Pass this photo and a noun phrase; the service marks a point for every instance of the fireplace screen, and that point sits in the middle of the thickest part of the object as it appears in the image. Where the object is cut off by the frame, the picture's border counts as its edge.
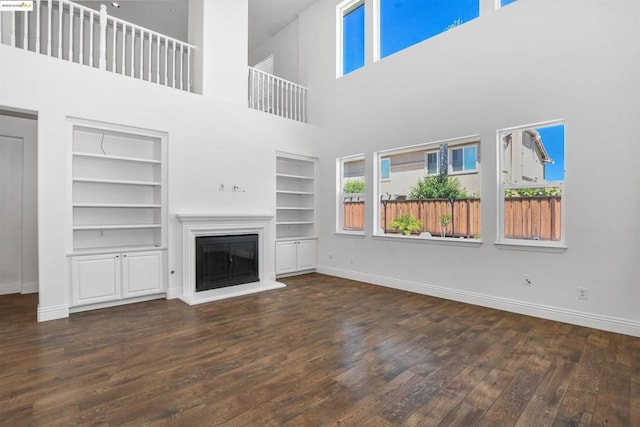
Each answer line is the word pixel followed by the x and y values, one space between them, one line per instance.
pixel 223 261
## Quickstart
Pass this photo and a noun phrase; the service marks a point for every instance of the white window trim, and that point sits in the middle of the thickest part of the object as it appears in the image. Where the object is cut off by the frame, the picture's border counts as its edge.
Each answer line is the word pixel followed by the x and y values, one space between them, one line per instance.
pixel 426 162
pixel 523 244
pixel 341 10
pixel 340 195
pixel 378 155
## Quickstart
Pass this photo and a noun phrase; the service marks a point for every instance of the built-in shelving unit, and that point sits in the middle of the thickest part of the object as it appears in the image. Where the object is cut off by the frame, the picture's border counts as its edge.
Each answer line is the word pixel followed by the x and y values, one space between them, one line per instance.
pixel 295 213
pixel 117 212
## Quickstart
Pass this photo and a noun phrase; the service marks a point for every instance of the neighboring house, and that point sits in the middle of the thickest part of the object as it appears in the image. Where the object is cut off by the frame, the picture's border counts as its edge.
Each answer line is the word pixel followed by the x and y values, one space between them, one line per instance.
pixel 400 172
pixel 524 157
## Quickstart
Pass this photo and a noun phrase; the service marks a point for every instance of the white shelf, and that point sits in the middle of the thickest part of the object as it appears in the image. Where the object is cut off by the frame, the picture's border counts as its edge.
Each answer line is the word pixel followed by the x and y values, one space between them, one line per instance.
pixel 119 158
pixel 286 175
pixel 112 249
pixel 117 181
pixel 304 193
pixel 116 205
pixel 294 222
pixel 293 208
pixel 115 226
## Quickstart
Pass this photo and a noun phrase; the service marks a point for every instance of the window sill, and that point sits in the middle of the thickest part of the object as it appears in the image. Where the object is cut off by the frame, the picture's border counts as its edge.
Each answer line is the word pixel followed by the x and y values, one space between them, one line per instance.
pixel 431 240
pixel 557 248
pixel 350 233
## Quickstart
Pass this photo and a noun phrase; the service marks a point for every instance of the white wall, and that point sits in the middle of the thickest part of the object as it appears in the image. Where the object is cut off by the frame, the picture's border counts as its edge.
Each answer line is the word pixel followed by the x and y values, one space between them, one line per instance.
pixel 284 48
pixel 25 130
pixel 532 61
pixel 210 141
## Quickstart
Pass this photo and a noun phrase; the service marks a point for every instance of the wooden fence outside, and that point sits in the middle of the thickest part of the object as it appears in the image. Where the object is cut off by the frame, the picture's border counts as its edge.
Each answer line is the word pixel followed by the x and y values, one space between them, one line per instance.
pixel 525 217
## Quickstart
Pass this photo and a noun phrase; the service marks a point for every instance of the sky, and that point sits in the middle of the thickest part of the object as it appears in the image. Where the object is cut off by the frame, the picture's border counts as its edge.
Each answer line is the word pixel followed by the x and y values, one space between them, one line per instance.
pixel 553 140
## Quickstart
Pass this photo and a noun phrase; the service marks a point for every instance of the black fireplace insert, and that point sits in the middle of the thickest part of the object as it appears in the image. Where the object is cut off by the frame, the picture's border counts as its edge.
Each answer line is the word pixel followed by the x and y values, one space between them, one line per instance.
pixel 228 260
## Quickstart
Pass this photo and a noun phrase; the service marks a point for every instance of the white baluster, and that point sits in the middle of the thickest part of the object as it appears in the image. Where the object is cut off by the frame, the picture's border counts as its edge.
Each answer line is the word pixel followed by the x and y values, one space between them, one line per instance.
pixel 81 37
pixel 71 32
pixel 91 19
pixel 49 10
pixel 141 62
pixel 102 52
pixel 150 48
pixel 133 49
pixel 158 59
pixel 166 62
pixel 38 26
pixel 173 56
pixel 124 47
pixel 114 48
pixel 60 13
pixel 13 29
pixel 181 69
pixel 189 69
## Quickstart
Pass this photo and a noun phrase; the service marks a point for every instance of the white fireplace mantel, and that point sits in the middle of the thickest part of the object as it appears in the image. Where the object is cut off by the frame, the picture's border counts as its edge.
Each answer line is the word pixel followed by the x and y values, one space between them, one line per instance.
pixel 202 224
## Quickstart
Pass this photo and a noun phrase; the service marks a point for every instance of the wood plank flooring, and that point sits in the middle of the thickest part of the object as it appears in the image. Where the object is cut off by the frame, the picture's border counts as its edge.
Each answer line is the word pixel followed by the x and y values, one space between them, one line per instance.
pixel 322 351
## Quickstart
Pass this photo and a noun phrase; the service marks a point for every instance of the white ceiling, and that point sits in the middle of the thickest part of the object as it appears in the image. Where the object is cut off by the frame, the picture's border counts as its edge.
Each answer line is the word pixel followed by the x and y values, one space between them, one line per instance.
pixel 170 17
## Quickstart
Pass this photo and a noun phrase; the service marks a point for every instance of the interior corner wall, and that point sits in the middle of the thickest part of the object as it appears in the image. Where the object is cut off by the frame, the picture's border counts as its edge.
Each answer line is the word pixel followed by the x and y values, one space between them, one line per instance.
pixel 529 62
pixel 26 129
pixel 284 48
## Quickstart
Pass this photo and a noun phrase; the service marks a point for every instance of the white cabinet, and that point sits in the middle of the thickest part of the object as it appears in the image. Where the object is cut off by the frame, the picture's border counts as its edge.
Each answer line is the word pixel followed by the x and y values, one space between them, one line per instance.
pixel 118 212
pixel 295 255
pixel 296 207
pixel 95 279
pixel 111 277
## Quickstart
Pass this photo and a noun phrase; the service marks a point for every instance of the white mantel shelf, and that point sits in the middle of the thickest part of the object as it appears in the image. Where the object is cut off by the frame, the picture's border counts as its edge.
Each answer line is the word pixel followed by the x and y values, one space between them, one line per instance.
pixel 208 224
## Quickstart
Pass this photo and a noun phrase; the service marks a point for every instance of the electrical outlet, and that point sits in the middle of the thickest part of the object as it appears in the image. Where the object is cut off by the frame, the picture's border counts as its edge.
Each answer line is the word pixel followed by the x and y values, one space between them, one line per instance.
pixel 351 260
pixel 527 280
pixel 583 293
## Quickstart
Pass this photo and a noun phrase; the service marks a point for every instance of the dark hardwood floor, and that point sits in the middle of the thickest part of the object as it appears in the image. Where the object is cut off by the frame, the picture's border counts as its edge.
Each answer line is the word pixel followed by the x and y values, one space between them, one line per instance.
pixel 322 351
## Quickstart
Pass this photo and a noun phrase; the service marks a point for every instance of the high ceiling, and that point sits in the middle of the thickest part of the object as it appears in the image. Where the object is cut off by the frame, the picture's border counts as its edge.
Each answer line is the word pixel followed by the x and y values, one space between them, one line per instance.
pixel 170 17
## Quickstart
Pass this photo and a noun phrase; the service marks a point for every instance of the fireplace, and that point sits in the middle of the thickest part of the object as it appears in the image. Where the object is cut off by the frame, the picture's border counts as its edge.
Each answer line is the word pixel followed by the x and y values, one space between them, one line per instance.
pixel 223 261
pixel 197 226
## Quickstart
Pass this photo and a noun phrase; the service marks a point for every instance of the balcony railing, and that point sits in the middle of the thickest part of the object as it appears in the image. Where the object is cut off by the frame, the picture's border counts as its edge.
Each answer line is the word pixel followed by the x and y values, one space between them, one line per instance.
pixel 277 96
pixel 75 33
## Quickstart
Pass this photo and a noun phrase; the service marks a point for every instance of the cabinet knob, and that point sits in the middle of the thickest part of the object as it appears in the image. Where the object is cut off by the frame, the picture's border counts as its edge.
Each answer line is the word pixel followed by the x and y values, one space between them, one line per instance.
pixel 117 256
pixel 125 255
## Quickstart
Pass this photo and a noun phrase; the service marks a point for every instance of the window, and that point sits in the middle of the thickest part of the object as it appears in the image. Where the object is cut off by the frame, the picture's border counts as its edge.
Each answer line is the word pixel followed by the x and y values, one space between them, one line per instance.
pixel 503 3
pixel 351 187
pixel 433 163
pixel 350 36
pixel 532 191
pixel 463 159
pixel 385 169
pixel 404 23
pixel 420 196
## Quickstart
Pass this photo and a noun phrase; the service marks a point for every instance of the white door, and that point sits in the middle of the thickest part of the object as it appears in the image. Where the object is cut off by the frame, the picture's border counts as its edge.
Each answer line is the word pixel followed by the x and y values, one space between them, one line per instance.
pixel 141 273
pixel 306 255
pixel 285 257
pixel 10 214
pixel 95 278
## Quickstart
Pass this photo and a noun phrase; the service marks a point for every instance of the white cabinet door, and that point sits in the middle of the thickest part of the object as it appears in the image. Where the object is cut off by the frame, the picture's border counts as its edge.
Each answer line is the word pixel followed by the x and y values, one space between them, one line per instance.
pixel 95 278
pixel 141 273
pixel 285 257
pixel 306 255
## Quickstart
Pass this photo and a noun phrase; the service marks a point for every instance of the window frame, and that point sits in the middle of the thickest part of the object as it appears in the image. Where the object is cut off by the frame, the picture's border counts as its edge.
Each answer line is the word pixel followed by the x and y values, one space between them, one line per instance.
pixel 426 162
pixel 342 10
pixel 385 159
pixel 429 146
pixel 463 171
pixel 340 195
pixel 506 242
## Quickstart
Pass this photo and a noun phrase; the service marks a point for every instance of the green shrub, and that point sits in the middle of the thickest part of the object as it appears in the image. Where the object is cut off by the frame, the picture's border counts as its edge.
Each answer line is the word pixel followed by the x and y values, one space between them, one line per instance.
pixel 406 224
pixel 438 187
pixel 353 187
pixel 533 192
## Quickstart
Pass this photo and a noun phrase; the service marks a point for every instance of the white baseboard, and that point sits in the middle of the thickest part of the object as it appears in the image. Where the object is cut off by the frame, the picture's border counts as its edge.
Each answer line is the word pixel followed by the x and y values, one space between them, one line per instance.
pixel 574 317
pixel 10 288
pixel 30 288
pixel 173 293
pixel 52 313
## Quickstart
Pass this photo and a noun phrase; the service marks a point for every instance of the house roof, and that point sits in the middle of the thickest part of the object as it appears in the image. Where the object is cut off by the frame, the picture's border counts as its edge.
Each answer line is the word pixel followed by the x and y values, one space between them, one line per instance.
pixel 535 136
